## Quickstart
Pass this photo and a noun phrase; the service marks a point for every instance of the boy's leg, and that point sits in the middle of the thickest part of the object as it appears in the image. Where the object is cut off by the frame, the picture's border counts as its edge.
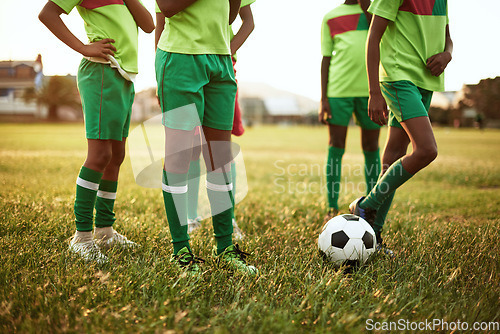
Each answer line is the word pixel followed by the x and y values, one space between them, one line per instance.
pixel 341 111
pixel 336 149
pixel 105 216
pixel 237 232
pixel 424 152
pixel 370 132
pixel 369 143
pixel 409 104
pixel 194 221
pixel 107 102
pixel 193 188
pixel 98 156
pixel 105 201
pixel 395 148
pixel 233 179
pixel 333 177
pixel 217 154
pixel 181 80
pixel 175 185
pixel 220 193
pixel 87 186
pixel 217 125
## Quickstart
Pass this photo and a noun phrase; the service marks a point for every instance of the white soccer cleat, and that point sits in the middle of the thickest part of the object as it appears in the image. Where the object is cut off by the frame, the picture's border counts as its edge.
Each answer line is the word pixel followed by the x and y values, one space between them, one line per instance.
pixel 116 240
pixel 89 251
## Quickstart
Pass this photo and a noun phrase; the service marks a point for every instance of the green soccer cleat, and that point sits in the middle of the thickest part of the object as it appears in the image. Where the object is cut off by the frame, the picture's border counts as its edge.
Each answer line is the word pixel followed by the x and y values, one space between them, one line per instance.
pixel 187 262
pixel 233 258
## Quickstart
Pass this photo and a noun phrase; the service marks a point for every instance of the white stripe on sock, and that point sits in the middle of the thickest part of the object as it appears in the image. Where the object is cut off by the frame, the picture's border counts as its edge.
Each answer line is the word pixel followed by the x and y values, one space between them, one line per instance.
pixel 87 184
pixel 219 187
pixel 174 189
pixel 106 194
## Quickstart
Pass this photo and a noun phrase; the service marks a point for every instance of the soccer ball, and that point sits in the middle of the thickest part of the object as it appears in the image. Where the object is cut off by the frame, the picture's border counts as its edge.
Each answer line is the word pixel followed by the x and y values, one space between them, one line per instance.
pixel 347 240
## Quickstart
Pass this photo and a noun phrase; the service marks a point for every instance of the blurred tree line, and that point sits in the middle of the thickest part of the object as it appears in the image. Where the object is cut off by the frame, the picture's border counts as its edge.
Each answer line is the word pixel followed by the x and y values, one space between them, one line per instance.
pixel 55 92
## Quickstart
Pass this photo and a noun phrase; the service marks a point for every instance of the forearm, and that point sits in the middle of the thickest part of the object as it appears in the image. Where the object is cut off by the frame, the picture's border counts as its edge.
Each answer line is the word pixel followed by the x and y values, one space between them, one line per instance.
pixel 375 33
pixel 325 72
pixel 245 30
pixel 141 15
pixel 171 7
pixel 160 25
pixel 234 8
pixel 372 64
pixel 50 17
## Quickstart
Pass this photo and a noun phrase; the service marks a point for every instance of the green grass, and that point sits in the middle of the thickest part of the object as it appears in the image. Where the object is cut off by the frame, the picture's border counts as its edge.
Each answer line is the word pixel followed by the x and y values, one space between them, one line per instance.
pixel 444 228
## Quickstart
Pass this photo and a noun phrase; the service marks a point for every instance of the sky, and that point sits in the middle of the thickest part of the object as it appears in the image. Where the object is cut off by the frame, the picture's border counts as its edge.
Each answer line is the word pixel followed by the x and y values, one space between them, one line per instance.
pixel 283 51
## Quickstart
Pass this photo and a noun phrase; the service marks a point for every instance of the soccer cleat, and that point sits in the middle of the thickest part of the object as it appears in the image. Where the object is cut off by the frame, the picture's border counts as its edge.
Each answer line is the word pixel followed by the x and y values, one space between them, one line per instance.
pixel 367 214
pixel 381 247
pixel 89 251
pixel 186 261
pixel 234 259
pixel 237 232
pixel 194 224
pixel 116 240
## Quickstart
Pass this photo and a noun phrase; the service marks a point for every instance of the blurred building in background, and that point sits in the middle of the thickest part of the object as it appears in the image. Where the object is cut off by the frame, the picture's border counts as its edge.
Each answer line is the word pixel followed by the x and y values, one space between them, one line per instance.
pixel 27 95
pixel 475 105
pixel 19 78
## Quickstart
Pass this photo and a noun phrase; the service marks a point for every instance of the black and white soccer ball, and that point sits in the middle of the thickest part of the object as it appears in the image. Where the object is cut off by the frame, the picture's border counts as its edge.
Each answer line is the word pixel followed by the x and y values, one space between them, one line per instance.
pixel 347 240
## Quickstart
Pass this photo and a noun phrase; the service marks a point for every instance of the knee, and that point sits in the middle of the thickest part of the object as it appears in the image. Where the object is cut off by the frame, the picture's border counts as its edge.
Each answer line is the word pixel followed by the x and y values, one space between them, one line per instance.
pixel 337 142
pixel 177 162
pixel 100 159
pixel 427 154
pixel 117 158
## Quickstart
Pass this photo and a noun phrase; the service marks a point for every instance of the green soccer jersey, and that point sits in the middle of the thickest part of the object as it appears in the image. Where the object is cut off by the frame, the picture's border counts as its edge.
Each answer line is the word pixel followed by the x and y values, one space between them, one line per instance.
pixel 416 31
pixel 109 19
pixel 343 37
pixel 201 28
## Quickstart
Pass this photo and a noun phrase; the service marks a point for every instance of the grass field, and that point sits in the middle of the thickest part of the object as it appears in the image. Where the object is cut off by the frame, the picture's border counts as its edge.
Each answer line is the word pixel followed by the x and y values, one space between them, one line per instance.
pixel 444 228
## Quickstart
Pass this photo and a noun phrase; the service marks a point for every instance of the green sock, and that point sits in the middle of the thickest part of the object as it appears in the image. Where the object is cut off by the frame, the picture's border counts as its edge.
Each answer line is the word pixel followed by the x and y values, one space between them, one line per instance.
pixel 392 179
pixel 382 212
pixel 219 190
pixel 104 204
pixel 372 168
pixel 333 173
pixel 233 178
pixel 175 199
pixel 87 185
pixel 193 188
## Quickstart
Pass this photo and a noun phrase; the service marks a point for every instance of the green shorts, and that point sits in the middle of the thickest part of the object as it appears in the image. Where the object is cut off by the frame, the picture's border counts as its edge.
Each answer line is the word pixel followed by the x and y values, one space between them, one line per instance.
pixel 106 101
pixel 405 100
pixel 195 90
pixel 342 109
